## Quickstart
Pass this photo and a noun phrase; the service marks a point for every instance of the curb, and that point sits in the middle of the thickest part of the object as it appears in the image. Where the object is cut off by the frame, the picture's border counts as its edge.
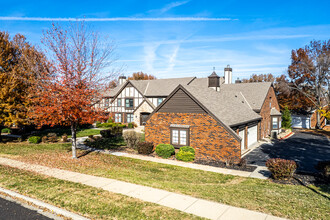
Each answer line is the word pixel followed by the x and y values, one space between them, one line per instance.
pixel 39 203
pixel 286 136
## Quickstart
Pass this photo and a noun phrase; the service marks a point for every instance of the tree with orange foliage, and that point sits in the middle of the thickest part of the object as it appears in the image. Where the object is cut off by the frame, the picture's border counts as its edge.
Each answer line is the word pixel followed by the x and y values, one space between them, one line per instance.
pixel 141 76
pixel 309 73
pixel 135 76
pixel 20 67
pixel 67 96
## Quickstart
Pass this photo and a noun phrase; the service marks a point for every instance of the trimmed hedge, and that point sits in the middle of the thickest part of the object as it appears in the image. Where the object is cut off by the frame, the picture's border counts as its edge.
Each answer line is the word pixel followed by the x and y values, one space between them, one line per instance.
pixel 281 168
pixel 187 149
pixel 145 148
pixel 34 140
pixel 164 150
pixel 186 154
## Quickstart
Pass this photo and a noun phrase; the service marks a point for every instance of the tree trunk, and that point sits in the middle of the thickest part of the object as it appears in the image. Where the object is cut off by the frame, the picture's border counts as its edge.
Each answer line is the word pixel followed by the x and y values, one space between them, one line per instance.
pixel 74 140
pixel 318 123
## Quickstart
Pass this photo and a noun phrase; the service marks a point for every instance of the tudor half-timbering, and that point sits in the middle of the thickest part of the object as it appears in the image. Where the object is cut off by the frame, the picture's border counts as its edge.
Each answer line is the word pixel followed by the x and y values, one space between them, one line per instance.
pixel 134 100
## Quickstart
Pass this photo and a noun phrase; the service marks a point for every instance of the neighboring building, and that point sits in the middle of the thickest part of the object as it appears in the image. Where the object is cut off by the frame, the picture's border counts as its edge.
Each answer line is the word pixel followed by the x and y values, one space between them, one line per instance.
pixel 219 120
pixel 134 100
pixel 308 120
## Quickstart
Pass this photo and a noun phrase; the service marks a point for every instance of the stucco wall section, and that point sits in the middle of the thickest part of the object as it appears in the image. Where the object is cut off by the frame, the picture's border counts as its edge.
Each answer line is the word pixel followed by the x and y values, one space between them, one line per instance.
pixel 145 107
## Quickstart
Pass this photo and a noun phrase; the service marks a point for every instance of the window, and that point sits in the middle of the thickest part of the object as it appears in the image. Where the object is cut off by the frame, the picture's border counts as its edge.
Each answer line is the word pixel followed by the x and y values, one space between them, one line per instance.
pixel 129 118
pixel 179 136
pixel 118 102
pixel 129 103
pixel 159 100
pixel 118 118
pixel 106 102
pixel 274 123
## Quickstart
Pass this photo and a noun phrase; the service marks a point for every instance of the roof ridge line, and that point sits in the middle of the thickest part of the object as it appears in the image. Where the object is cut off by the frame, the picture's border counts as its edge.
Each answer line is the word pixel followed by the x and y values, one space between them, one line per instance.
pixel 145 91
pixel 245 100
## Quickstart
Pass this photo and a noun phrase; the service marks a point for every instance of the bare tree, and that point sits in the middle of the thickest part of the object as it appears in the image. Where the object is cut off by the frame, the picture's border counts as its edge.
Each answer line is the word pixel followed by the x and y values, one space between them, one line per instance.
pixel 81 62
pixel 309 73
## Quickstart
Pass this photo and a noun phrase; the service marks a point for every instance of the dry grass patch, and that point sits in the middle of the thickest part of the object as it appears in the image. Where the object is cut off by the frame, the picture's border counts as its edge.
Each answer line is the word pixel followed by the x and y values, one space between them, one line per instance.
pixel 87 201
pixel 294 202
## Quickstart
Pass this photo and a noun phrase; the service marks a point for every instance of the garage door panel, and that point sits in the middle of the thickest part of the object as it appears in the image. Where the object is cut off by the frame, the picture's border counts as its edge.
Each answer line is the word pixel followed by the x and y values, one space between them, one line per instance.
pixel 252 135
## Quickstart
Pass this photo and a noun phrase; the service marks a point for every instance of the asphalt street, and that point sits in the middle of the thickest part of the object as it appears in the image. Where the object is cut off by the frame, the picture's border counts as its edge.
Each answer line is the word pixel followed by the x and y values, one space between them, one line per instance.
pixel 13 211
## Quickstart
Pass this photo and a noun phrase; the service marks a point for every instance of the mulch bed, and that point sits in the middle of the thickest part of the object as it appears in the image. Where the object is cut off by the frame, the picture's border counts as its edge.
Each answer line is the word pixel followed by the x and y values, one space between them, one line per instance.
pixel 305 179
pixel 220 164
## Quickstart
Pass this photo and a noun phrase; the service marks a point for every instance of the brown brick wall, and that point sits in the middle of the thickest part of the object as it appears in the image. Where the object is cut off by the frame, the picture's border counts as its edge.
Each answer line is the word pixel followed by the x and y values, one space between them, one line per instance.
pixel 322 121
pixel 265 112
pixel 210 140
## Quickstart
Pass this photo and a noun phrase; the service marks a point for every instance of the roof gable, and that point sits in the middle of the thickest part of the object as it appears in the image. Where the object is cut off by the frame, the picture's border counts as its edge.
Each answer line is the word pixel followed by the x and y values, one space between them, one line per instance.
pixel 181 102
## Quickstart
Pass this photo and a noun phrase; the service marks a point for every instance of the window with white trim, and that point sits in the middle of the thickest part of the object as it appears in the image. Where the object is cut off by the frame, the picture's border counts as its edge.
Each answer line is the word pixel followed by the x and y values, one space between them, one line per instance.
pixel 129 103
pixel 275 122
pixel 118 118
pixel 118 102
pixel 106 102
pixel 129 118
pixel 179 136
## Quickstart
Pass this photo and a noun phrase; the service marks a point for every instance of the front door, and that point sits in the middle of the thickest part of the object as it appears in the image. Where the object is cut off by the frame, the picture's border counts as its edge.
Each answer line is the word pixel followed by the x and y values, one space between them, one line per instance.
pixel 143 118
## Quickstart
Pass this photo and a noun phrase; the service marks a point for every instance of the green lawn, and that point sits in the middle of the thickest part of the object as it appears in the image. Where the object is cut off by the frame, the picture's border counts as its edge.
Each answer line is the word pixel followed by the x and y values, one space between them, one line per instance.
pixel 294 202
pixel 91 202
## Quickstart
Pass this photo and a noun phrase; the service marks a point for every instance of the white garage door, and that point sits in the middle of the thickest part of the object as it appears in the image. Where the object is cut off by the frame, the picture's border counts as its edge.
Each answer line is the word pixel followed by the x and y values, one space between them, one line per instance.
pixel 241 134
pixel 252 135
pixel 300 121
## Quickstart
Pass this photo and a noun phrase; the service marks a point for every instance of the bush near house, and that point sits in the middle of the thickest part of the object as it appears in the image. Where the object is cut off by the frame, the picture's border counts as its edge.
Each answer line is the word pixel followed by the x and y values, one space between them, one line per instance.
pixel 132 139
pixel 145 148
pixel 186 154
pixel 112 132
pixel 281 168
pixel 34 140
pixel 164 150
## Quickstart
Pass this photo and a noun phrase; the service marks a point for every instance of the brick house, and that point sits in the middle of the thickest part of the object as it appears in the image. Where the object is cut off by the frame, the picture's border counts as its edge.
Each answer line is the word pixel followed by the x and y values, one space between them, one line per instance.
pixel 221 121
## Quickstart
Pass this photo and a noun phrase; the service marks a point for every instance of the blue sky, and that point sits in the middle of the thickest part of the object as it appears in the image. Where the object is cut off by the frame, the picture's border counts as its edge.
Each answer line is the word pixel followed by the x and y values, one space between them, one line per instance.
pixel 185 38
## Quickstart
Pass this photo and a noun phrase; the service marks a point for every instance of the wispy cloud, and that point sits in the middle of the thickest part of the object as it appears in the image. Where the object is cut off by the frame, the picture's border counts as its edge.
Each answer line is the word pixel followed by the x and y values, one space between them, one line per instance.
pixel 116 19
pixel 225 39
pixel 168 7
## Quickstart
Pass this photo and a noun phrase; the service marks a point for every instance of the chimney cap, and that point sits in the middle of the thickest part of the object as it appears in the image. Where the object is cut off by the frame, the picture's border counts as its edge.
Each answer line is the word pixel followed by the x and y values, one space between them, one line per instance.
pixel 122 77
pixel 228 68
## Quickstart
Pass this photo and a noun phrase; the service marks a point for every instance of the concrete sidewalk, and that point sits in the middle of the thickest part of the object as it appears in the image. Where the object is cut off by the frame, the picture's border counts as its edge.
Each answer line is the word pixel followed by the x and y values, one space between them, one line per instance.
pixel 188 204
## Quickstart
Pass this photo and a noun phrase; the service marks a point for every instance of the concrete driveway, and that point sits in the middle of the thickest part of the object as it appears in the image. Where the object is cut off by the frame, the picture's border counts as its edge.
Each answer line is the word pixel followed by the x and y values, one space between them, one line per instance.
pixel 306 149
